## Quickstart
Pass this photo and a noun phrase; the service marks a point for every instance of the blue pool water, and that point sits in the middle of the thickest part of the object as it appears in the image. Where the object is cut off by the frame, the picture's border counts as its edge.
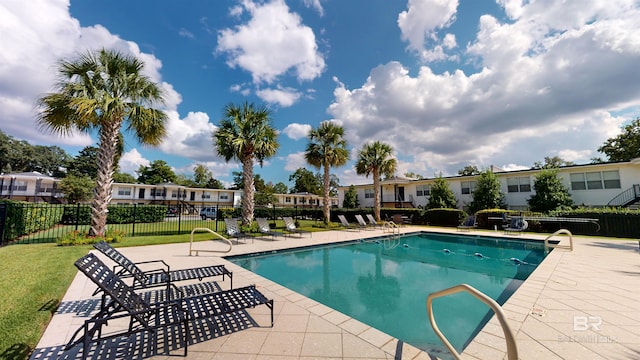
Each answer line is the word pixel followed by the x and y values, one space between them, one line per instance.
pixel 385 284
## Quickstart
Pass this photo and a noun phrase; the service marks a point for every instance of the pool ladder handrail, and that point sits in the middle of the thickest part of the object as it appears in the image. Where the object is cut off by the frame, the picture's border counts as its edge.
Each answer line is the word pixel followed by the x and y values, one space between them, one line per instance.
pixel 214 233
pixel 393 227
pixel 512 349
pixel 547 245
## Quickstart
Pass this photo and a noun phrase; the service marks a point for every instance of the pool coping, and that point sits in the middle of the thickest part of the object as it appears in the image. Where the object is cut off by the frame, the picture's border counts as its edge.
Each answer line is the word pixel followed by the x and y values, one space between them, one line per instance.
pixel 488 343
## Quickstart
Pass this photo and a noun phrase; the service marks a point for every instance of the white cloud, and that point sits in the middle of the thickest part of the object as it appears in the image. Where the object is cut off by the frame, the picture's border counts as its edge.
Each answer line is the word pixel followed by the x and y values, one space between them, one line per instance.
pixel 316 5
pixel 421 21
pixel 297 131
pixel 272 43
pixel 131 161
pixel 191 137
pixel 282 96
pixel 295 161
pixel 547 85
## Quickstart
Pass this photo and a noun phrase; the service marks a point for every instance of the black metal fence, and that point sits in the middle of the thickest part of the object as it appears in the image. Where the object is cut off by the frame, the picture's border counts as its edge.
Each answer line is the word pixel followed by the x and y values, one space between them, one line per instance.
pixel 28 223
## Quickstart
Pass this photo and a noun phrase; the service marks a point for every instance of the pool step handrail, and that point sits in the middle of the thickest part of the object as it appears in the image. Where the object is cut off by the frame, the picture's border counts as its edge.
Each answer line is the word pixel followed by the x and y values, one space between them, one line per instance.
pixel 548 245
pixel 391 226
pixel 512 349
pixel 192 250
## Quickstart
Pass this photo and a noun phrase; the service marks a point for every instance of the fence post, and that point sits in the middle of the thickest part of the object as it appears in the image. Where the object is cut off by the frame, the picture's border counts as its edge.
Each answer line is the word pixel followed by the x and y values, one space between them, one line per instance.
pixel 217 216
pixel 179 210
pixel 77 215
pixel 3 217
pixel 133 226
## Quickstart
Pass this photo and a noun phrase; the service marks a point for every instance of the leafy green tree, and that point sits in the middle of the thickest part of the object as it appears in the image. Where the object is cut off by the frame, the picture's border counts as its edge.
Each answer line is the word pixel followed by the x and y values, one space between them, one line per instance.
pixel 280 188
pixel 258 183
pixel 238 182
pixel 412 175
pixel 214 184
pixel 376 159
pixel 625 146
pixel 305 181
pixel 441 196
pixel 552 162
pixel 124 178
pixel 101 91
pixel 245 134
pixel 85 163
pixel 77 189
pixel 201 175
pixel 350 200
pixel 157 172
pixel 550 193
pixel 487 194
pixel 327 148
pixel 469 170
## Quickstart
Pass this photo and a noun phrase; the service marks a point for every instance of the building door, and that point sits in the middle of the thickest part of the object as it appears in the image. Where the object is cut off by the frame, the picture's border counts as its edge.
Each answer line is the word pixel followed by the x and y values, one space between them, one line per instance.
pixel 193 196
pixel 401 193
pixel 141 194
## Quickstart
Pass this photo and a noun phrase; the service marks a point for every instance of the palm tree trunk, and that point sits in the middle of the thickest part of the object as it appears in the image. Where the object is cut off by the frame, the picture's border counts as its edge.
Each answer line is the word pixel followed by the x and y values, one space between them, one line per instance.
pixel 102 192
pixel 326 206
pixel 247 197
pixel 376 194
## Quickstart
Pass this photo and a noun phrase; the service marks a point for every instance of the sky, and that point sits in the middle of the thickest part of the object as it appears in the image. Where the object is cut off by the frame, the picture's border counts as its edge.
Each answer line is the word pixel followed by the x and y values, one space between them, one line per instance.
pixel 446 83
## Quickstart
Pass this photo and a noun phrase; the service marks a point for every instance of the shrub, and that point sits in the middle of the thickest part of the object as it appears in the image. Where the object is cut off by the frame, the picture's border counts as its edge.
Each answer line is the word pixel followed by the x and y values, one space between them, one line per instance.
pixel 80 238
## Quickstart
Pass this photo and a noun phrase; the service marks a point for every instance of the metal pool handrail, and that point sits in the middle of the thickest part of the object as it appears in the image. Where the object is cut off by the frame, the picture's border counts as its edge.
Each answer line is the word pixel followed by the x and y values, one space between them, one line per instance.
pixel 558 246
pixel 393 227
pixel 214 233
pixel 512 350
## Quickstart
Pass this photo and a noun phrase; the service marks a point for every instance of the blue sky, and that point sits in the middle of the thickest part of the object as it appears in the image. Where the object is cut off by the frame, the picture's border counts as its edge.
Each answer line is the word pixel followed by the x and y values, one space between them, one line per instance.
pixel 447 83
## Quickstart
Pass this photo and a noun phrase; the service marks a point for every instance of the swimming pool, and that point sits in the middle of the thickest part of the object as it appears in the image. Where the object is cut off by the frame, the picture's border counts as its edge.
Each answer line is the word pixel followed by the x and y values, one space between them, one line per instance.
pixel 384 283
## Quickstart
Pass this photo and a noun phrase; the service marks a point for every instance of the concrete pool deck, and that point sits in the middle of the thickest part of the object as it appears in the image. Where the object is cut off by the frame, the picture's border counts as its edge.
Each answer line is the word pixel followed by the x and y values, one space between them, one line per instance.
pixel 582 304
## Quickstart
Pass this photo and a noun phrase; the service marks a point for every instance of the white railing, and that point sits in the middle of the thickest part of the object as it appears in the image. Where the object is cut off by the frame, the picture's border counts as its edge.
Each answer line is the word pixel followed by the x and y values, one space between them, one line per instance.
pixel 191 249
pixel 547 245
pixel 512 349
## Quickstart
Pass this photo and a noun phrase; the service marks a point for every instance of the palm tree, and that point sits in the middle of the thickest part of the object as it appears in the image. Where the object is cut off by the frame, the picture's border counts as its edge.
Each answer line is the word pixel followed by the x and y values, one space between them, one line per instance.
pixel 326 148
pixel 101 90
pixel 245 134
pixel 376 158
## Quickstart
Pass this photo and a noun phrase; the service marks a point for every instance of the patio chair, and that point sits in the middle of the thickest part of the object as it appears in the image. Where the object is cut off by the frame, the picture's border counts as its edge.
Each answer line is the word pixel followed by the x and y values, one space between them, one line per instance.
pixel 233 230
pixel 347 225
pixel 468 224
pixel 291 227
pixel 363 224
pixel 145 316
pixel 264 228
pixel 162 276
pixel 517 225
pixel 373 222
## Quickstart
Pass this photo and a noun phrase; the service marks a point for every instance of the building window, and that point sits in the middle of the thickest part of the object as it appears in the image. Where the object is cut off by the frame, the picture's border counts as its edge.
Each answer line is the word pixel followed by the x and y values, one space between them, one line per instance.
pixel 368 194
pixel 423 190
pixel 611 179
pixel 467 187
pixel 224 196
pixel 158 192
pixel 312 201
pixel 287 199
pixel 174 193
pixel 19 185
pixel 206 195
pixel 519 184
pixel 124 191
pixel 595 180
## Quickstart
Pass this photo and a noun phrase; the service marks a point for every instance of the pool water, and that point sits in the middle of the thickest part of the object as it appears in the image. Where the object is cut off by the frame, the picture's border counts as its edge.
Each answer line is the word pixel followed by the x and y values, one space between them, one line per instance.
pixel 385 283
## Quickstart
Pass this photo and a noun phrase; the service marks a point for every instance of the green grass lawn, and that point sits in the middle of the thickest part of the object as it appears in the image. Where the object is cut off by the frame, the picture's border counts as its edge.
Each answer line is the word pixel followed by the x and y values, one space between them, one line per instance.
pixel 35 277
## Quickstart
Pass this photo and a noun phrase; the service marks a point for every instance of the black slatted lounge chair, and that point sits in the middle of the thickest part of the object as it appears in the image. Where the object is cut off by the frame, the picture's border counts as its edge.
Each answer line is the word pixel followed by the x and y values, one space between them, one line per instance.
pixel 347 225
pixel 158 277
pixel 291 227
pixel 264 228
pixel 233 230
pixel 146 316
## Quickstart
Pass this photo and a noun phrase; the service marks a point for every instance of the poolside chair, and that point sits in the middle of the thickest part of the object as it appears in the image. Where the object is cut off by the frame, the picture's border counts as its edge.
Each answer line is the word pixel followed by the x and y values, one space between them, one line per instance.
pixel 264 228
pixel 145 316
pixel 347 225
pixel 363 224
pixel 291 227
pixel 373 222
pixel 162 276
pixel 468 224
pixel 517 225
pixel 233 230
